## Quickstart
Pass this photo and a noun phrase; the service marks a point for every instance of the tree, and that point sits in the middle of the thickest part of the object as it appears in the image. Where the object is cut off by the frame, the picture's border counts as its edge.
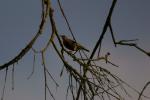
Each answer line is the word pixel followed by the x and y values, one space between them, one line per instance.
pixel 88 81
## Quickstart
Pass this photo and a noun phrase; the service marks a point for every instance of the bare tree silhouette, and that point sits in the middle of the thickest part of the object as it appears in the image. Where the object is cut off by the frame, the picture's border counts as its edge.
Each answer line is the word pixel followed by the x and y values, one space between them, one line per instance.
pixel 90 80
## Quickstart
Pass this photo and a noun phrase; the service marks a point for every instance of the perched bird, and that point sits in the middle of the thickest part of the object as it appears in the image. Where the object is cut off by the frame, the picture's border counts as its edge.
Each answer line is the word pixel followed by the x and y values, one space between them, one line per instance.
pixel 71 44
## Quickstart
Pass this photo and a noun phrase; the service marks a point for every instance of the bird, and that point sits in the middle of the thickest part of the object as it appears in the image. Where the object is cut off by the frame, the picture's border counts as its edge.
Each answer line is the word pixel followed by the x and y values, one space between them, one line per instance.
pixel 71 44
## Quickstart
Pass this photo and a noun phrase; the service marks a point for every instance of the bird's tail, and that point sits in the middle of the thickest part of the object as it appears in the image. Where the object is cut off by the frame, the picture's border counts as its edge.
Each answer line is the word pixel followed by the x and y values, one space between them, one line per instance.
pixel 81 47
pixel 86 49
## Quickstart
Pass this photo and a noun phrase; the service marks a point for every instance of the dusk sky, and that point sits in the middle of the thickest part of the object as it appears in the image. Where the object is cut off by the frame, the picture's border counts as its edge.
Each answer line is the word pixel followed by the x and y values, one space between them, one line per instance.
pixel 19 22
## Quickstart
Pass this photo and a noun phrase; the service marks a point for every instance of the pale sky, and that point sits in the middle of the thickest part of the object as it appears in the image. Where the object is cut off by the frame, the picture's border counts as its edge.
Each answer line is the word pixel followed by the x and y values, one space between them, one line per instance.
pixel 19 21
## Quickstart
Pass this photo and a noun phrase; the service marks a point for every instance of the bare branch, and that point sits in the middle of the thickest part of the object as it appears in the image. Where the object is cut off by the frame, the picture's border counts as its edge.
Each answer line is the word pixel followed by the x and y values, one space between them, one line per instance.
pixel 30 44
pixel 141 93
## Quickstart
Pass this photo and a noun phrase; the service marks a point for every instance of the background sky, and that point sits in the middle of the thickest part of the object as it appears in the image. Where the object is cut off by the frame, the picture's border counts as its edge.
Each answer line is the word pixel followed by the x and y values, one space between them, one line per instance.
pixel 19 20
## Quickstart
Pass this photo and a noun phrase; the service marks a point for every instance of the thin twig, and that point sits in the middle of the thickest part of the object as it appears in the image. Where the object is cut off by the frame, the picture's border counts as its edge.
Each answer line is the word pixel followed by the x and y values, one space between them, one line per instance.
pixel 112 34
pixel 33 67
pixel 13 69
pixel 146 85
pixel 3 92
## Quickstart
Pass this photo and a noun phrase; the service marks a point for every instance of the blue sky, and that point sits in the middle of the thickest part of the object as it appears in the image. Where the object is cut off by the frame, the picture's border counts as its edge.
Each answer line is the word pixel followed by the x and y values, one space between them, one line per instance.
pixel 19 20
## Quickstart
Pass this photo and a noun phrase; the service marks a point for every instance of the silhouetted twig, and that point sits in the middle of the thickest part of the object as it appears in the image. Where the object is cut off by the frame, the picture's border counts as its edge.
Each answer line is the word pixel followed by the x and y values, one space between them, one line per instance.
pixel 146 85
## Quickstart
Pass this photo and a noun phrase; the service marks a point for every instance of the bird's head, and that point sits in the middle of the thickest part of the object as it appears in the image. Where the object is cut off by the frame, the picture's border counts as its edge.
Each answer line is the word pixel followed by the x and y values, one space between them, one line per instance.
pixel 63 37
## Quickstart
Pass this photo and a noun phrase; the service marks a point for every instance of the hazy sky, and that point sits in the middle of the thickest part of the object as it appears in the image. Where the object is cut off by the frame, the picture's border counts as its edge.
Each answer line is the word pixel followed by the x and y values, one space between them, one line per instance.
pixel 19 20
